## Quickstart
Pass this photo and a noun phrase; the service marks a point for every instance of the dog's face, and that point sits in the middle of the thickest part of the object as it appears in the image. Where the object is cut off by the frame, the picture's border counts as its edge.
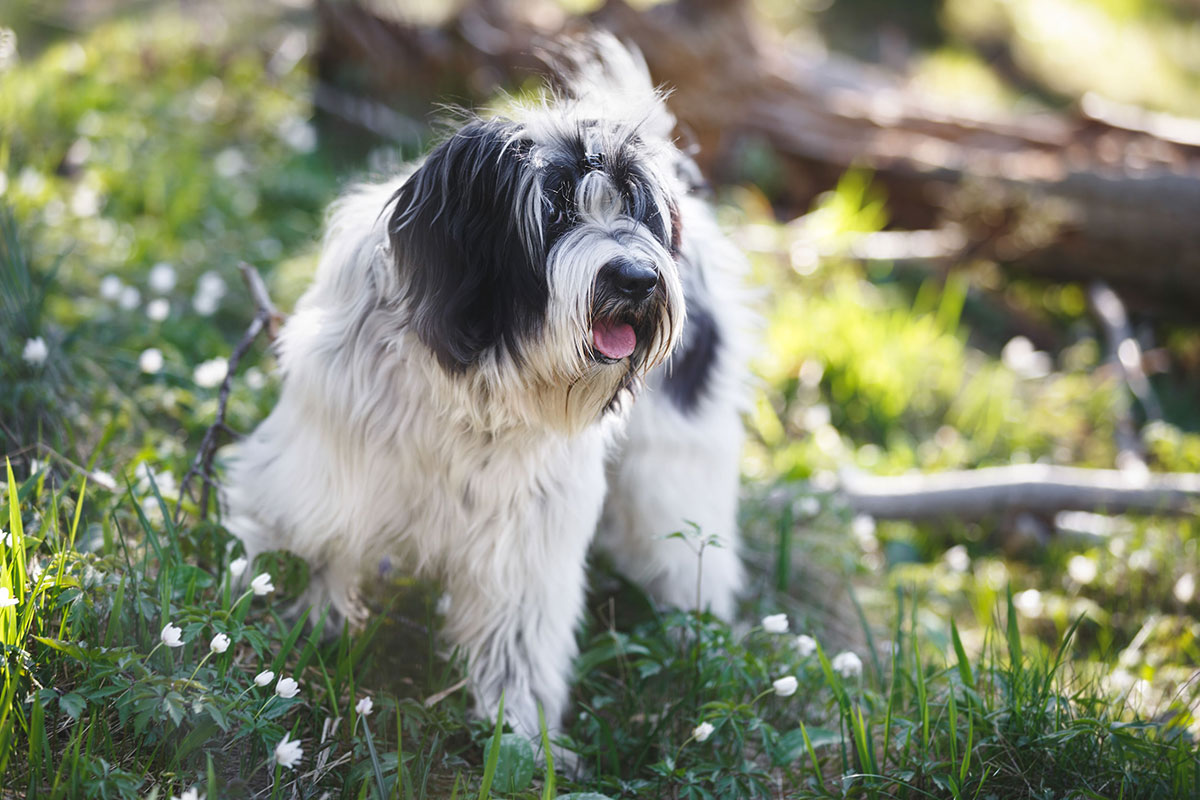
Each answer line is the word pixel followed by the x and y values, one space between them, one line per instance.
pixel 543 254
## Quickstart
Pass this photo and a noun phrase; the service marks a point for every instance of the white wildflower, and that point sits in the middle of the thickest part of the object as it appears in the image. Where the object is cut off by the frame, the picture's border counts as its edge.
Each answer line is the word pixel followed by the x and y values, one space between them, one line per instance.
pixel 262 584
pixel 288 753
pixel 702 731
pixel 786 686
pixel 30 182
pixel 210 373
pixel 6 598
pixel 162 278
pixel 205 304
pixel 287 688
pixel 808 506
pixel 104 480
pixel 172 635
pixel 806 644
pixel 158 309
pixel 129 299
pixel 1185 588
pixel 190 794
pixel 110 287
pixel 212 283
pixel 863 527
pixel 847 664
pixel 1021 357
pixel 255 379
pixel 1082 569
pixel 1029 602
pixel 364 707
pixel 298 134
pixel 264 677
pixel 151 360
pixel 775 623
pixel 957 559
pixel 85 201
pixel 230 162
pixel 219 644
pixel 35 351
pixel 237 567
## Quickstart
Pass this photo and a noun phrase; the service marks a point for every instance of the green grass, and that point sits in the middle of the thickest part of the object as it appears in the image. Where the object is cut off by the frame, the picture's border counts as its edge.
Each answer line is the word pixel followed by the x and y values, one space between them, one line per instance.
pixel 983 675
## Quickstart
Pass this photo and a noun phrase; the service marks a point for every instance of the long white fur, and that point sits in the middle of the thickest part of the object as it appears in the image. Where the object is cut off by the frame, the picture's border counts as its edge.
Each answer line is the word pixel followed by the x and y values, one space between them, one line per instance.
pixel 493 481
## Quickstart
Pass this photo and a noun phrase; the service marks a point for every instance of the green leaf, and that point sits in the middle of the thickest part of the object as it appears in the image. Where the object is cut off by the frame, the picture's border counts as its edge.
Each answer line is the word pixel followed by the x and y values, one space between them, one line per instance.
pixel 514 767
pixel 72 705
pixel 792 744
pixel 493 754
pixel 964 666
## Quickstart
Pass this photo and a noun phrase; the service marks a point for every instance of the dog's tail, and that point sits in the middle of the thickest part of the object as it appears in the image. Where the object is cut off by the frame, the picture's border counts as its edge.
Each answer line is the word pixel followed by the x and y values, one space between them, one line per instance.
pixel 608 79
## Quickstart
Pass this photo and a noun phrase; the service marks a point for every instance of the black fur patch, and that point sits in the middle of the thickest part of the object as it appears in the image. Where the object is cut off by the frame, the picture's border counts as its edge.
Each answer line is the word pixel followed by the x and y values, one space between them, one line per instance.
pixel 472 282
pixel 691 365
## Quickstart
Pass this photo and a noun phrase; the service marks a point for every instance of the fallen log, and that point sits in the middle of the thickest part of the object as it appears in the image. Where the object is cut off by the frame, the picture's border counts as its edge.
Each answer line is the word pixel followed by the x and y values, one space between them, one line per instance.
pixel 1101 192
pixel 1038 489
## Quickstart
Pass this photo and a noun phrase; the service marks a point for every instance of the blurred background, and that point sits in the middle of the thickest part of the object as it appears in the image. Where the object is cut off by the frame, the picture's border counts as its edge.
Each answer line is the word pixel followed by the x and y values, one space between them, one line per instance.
pixel 974 225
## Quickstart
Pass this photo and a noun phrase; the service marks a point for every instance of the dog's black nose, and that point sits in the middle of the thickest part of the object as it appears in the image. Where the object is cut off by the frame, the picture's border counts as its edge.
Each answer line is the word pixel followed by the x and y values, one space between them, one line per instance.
pixel 634 279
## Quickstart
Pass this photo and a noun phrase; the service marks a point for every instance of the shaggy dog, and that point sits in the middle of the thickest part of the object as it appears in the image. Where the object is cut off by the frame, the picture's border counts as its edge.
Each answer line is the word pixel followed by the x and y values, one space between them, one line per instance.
pixel 459 381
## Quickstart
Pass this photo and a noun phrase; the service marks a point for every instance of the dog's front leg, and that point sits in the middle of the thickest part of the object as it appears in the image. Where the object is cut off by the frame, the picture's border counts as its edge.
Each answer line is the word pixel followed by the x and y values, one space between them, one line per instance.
pixel 520 642
pixel 515 623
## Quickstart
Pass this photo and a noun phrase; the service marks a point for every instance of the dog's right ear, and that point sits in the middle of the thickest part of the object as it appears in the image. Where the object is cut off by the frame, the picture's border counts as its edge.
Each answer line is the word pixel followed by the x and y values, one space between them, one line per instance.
pixel 471 263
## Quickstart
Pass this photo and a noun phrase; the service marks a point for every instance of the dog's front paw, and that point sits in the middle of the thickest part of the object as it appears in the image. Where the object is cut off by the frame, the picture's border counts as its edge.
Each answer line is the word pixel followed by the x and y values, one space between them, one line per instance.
pixel 327 591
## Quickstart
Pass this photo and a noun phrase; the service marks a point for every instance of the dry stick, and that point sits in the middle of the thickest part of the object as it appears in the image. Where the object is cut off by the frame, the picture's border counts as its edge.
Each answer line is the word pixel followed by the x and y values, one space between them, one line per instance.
pixel 1123 348
pixel 1035 488
pixel 266 316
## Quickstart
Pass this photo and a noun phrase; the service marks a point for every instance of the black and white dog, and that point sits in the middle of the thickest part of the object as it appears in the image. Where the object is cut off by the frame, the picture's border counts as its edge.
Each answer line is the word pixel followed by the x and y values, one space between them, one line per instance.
pixel 459 381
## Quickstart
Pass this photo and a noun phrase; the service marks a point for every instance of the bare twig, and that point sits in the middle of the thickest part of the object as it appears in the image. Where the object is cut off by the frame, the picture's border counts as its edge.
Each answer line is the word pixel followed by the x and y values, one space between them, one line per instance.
pixel 1036 488
pixel 262 299
pixel 1123 348
pixel 266 316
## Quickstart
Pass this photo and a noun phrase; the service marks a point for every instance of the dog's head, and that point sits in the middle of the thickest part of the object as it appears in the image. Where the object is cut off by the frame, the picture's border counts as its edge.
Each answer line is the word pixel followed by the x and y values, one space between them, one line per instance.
pixel 542 250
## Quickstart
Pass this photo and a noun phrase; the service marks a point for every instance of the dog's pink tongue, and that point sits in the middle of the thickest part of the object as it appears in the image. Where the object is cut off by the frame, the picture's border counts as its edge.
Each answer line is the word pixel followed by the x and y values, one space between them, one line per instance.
pixel 614 339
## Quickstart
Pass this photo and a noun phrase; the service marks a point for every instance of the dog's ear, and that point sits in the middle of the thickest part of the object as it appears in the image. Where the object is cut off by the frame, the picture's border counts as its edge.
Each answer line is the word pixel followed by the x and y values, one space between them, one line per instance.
pixel 467 253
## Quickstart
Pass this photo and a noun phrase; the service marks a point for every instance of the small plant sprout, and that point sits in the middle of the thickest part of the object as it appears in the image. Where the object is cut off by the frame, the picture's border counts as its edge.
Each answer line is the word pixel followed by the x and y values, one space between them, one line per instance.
pixel 288 752
pixel 847 664
pixel 702 731
pixel 263 678
pixel 237 567
pixel 287 688
pixel 6 598
pixel 261 585
pixel 806 645
pixel 786 686
pixel 364 707
pixel 775 623
pixel 35 351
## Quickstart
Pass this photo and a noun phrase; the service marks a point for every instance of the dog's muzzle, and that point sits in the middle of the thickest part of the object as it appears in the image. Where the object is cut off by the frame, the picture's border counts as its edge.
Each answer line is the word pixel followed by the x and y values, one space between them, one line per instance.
pixel 625 311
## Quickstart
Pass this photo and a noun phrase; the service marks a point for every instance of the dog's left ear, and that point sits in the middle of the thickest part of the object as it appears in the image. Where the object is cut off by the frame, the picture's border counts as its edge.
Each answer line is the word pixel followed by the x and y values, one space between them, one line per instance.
pixel 475 278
